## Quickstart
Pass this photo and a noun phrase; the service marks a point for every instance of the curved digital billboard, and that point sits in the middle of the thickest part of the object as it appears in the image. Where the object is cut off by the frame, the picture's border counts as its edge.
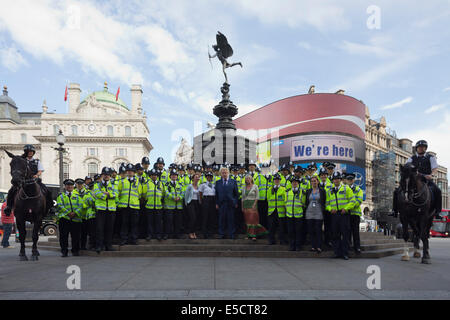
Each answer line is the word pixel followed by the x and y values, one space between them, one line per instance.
pixel 312 127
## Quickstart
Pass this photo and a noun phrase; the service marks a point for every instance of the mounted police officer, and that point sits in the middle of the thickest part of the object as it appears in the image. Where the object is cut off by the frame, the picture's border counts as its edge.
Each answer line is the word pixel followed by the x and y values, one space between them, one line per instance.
pixel 426 165
pixel 36 170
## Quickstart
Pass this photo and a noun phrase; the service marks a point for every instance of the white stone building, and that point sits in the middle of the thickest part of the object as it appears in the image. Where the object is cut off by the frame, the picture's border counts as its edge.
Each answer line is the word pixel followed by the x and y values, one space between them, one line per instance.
pixel 99 131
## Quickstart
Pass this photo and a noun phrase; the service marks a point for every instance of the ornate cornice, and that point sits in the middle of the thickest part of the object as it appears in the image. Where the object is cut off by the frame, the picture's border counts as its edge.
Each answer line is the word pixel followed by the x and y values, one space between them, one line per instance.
pixel 109 140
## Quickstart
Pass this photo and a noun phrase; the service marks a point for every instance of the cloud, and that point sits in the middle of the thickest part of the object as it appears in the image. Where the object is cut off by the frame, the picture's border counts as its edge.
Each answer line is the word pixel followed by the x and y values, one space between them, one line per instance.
pixel 322 15
pixel 247 108
pixel 435 108
pixel 74 31
pixel 11 59
pixel 437 137
pixel 364 49
pixel 397 104
pixel 446 89
pixel 375 74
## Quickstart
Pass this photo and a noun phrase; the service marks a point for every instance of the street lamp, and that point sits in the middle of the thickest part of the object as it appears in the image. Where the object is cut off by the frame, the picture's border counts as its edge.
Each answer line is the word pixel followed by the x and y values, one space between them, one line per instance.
pixel 60 139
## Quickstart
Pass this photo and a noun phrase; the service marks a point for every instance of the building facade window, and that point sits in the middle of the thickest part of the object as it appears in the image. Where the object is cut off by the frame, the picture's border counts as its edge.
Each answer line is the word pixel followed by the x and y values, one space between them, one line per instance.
pixel 74 130
pixel 121 152
pixel 23 138
pixel 55 129
pixel 92 169
pixel 110 130
pixel 128 131
pixel 66 170
pixel 92 152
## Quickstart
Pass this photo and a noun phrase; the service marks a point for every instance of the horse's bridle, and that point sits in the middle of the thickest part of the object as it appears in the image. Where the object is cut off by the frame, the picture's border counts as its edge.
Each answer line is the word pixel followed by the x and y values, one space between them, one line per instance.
pixel 416 195
pixel 24 181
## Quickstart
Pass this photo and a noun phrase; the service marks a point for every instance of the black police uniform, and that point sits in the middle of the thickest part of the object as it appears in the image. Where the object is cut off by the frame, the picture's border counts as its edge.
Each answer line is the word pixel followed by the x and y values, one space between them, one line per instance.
pixel 423 165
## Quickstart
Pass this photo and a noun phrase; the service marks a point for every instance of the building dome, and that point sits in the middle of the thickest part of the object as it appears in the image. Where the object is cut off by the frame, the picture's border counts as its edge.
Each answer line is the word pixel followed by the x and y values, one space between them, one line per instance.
pixel 108 97
pixel 5 98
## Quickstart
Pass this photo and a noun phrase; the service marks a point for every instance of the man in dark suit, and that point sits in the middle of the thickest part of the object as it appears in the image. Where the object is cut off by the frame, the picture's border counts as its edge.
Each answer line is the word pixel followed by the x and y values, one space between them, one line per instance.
pixel 227 197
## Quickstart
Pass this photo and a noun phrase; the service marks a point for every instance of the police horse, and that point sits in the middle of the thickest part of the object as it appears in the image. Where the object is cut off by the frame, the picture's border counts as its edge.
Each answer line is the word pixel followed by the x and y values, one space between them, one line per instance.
pixel 414 203
pixel 29 203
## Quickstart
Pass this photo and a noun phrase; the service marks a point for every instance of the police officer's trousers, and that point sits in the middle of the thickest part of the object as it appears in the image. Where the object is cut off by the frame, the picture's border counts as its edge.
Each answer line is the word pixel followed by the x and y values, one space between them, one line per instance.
pixel 84 234
pixel 327 230
pixel 154 223
pixel 92 226
pixel 173 219
pixel 341 230
pixel 294 226
pixel 104 230
pixel 354 231
pixel 129 229
pixel 67 227
pixel 262 212
pixel 209 215
pixel 276 223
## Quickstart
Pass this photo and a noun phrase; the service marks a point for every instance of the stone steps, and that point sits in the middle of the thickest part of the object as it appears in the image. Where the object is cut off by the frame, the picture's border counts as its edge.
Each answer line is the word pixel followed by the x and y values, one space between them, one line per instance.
pixel 230 253
pixel 373 246
pixel 190 246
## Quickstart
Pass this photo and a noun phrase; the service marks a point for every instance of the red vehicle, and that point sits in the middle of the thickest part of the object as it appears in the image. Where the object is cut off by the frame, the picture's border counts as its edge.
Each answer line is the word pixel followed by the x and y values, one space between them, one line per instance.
pixel 441 227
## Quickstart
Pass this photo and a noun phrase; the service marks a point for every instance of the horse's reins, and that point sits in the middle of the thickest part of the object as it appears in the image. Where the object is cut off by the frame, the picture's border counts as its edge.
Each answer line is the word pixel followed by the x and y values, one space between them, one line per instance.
pixel 25 182
pixel 418 195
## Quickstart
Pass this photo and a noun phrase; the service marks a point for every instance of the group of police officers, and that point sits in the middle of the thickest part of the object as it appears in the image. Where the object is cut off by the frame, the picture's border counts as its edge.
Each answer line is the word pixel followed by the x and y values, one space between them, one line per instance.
pixel 139 202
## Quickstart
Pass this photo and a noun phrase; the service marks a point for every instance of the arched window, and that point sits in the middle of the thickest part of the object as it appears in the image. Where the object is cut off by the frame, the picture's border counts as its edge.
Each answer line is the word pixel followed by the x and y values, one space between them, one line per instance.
pixel 110 130
pixel 74 130
pixel 92 169
pixel 55 129
pixel 128 131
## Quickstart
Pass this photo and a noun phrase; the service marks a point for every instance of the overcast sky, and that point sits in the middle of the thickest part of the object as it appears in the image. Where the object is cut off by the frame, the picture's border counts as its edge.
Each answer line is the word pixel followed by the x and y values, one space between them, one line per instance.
pixel 398 65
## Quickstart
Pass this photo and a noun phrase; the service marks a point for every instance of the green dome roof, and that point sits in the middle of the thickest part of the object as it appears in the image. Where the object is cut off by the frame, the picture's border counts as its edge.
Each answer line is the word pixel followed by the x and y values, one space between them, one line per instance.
pixel 106 96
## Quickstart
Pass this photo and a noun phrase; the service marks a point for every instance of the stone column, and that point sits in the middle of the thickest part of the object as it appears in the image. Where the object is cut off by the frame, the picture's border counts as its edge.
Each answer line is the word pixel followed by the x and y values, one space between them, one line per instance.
pixel 74 93
pixel 136 98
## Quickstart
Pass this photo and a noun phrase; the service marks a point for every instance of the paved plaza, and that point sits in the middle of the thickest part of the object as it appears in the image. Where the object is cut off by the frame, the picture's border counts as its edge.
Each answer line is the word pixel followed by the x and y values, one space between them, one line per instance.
pixel 224 278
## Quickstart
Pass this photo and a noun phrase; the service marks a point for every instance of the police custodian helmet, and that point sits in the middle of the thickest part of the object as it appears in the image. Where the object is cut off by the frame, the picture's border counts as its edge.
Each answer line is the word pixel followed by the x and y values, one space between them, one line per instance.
pixel 421 143
pixel 28 148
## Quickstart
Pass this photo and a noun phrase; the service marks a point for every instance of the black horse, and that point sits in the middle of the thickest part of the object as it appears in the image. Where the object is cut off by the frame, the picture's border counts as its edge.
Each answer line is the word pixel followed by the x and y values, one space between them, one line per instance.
pixel 414 204
pixel 29 203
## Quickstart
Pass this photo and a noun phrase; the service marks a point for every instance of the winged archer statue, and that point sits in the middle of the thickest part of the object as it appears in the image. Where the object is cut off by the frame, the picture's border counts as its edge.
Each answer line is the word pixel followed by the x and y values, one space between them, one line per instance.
pixel 223 52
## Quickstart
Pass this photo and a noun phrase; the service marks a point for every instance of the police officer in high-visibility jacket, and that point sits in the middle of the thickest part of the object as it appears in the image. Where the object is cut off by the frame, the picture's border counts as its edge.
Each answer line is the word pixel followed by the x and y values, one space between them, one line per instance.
pixel 80 191
pixel 355 212
pixel 325 184
pixel 163 175
pixel 173 206
pixel 145 162
pixel 276 198
pixel 89 205
pixel 295 202
pixel 260 180
pixel 154 192
pixel 304 181
pixel 105 202
pixel 130 193
pixel 339 202
pixel 68 215
pixel 118 219
pixel 285 177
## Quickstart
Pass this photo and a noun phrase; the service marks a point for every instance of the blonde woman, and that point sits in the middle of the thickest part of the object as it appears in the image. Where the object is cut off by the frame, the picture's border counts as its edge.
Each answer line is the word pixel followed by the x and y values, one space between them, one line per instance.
pixel 192 201
pixel 250 196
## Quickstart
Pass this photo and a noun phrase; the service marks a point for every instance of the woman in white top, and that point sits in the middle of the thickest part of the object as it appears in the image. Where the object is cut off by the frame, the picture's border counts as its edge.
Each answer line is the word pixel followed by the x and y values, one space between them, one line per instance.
pixel 192 200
